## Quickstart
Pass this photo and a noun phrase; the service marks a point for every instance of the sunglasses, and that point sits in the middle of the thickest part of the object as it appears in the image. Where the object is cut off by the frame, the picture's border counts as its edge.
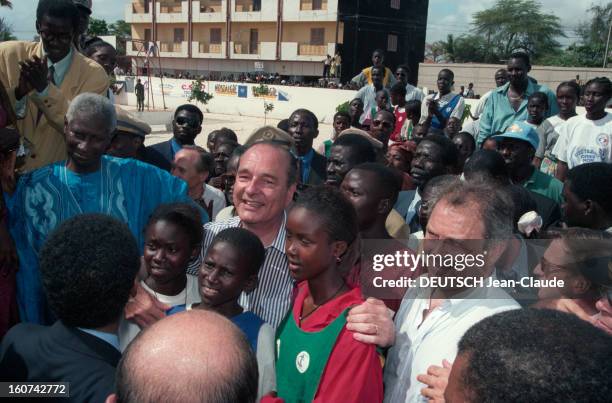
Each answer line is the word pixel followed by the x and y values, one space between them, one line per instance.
pixel 382 123
pixel 182 121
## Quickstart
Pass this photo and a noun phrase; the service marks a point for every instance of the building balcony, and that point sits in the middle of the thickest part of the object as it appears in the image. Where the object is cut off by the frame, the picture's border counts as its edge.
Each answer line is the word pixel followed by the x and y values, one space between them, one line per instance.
pixel 137 12
pixel 243 50
pixel 171 49
pixel 307 10
pixel 136 49
pixel 293 51
pixel 172 12
pixel 208 50
pixel 208 10
pixel 254 10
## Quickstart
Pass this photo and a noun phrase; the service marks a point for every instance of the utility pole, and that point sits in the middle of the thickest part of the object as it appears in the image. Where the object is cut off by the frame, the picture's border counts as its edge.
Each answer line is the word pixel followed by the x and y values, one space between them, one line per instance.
pixel 605 61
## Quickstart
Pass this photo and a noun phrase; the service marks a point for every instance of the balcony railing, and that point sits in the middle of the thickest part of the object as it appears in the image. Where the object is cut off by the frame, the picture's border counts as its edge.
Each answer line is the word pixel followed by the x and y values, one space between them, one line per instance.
pixel 205 47
pixel 170 47
pixel 307 5
pixel 245 49
pixel 211 6
pixel 139 8
pixel 170 8
pixel 305 49
pixel 247 6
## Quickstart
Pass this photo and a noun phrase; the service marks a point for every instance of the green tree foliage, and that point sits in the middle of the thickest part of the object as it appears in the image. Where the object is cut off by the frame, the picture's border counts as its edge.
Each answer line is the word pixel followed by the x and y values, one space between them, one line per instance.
pixel 511 25
pixel 198 93
pixel 97 27
pixel 6 31
pixel 121 29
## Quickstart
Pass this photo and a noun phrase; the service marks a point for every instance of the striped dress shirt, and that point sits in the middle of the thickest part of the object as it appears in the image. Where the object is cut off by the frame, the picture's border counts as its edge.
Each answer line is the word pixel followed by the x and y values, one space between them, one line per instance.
pixel 271 299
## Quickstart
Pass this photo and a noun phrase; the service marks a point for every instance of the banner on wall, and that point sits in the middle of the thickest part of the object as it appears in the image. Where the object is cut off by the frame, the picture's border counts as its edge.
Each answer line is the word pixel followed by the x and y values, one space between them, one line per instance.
pixel 230 90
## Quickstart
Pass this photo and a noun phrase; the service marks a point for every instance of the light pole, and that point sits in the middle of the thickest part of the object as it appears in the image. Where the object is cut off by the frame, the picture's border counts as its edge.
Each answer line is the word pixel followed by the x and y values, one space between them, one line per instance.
pixel 605 61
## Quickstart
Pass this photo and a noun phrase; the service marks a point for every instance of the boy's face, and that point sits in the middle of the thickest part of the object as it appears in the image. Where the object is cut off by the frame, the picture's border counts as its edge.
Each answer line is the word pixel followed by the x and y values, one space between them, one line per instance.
pixel 301 128
pixel 356 108
pixel 567 99
pixel 309 250
pixel 445 82
pixel 359 187
pixel 536 109
pixel 381 99
pixel 395 98
pixel 341 123
pixel 224 275
pixel 167 252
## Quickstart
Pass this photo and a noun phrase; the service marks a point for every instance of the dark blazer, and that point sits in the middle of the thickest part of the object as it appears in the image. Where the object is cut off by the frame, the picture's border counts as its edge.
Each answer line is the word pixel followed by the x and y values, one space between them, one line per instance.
pixel 34 353
pixel 318 170
pixel 164 149
pixel 153 157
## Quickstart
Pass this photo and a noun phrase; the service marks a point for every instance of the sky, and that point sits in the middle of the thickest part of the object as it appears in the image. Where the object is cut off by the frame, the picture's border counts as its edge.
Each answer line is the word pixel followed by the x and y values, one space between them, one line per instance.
pixel 444 17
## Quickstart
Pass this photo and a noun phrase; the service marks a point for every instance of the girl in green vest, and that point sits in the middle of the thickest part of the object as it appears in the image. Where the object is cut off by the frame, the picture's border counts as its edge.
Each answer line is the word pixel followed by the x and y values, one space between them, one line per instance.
pixel 317 358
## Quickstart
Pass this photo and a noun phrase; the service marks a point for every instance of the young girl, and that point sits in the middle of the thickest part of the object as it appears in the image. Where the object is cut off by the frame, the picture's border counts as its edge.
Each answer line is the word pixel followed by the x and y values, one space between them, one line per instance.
pixel 342 121
pixel 586 138
pixel 172 238
pixel 568 93
pixel 317 358
pixel 230 268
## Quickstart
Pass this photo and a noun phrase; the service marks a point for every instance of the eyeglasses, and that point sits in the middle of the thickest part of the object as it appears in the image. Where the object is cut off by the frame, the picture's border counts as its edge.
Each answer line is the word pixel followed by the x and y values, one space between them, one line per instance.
pixel 383 123
pixel 182 121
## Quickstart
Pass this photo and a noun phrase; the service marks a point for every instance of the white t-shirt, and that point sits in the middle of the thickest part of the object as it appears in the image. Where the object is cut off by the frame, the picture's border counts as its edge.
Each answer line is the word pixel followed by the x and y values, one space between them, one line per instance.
pixel 217 197
pixel 479 108
pixel 582 141
pixel 413 93
pixel 128 329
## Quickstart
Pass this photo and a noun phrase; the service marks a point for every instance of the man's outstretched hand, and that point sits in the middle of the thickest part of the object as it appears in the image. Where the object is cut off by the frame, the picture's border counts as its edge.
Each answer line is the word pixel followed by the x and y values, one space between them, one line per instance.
pixel 143 308
pixel 372 323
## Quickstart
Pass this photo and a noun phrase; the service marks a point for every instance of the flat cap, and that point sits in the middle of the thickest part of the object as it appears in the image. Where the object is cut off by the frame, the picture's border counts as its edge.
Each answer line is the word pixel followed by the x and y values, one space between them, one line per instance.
pixel 86 4
pixel 127 123
pixel 270 133
pixel 377 144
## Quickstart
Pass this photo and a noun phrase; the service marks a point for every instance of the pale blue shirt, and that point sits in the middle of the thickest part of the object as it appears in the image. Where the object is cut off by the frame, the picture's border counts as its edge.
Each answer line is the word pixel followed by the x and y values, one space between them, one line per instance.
pixel 498 114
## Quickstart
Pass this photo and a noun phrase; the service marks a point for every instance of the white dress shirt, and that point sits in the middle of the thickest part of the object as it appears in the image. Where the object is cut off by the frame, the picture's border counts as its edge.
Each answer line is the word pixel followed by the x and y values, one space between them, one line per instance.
pixel 420 343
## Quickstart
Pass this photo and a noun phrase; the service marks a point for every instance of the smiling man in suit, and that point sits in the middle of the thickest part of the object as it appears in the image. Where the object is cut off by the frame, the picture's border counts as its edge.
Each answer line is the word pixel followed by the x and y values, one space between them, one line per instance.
pixel 186 125
pixel 88 266
pixel 42 78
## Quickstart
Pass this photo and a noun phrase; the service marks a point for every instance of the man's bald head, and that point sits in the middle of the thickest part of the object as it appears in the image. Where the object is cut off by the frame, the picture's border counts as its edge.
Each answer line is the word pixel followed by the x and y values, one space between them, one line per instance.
pixel 195 356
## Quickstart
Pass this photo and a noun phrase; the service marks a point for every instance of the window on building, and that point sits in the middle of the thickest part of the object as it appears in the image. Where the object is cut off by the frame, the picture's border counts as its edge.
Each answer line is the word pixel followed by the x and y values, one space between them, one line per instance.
pixel 395 4
pixel 179 35
pixel 256 5
pixel 254 42
pixel 215 36
pixel 146 6
pixel 392 43
pixel 317 36
pixel 317 4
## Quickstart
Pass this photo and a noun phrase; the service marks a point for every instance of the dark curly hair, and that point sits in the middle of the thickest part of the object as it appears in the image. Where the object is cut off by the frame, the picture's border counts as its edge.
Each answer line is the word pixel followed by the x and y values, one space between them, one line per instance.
pixel 605 81
pixel 336 212
pixel 186 216
pixel 88 265
pixel 536 355
pixel 592 182
pixel 246 244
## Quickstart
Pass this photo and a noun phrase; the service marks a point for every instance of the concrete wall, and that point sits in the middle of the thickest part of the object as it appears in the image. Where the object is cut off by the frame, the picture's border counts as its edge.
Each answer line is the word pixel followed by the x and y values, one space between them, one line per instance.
pixel 482 75
pixel 238 99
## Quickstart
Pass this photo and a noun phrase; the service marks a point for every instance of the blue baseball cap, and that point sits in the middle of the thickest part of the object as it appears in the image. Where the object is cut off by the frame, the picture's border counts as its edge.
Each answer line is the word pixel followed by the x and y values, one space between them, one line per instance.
pixel 521 131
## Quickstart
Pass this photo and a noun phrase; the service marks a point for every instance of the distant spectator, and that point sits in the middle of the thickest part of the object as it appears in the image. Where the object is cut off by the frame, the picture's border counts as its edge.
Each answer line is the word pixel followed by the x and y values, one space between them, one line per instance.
pixel 378 61
pixel 438 108
pixel 412 93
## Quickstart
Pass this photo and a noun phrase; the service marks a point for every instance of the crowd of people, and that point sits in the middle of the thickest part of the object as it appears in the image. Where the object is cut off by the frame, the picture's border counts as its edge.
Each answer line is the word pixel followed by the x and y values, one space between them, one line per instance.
pixel 243 272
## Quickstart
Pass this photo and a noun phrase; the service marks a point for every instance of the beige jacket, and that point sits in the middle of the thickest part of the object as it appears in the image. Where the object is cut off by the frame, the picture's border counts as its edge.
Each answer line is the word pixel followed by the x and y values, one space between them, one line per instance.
pixel 84 75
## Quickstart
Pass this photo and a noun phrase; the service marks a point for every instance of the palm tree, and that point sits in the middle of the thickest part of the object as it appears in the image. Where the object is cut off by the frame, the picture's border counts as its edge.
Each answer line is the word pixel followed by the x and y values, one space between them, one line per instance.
pixel 6 3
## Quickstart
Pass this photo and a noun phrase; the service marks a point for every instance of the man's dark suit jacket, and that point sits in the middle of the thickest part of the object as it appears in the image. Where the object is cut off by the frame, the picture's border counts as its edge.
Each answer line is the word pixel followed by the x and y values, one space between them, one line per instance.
pixel 34 353
pixel 318 170
pixel 165 150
